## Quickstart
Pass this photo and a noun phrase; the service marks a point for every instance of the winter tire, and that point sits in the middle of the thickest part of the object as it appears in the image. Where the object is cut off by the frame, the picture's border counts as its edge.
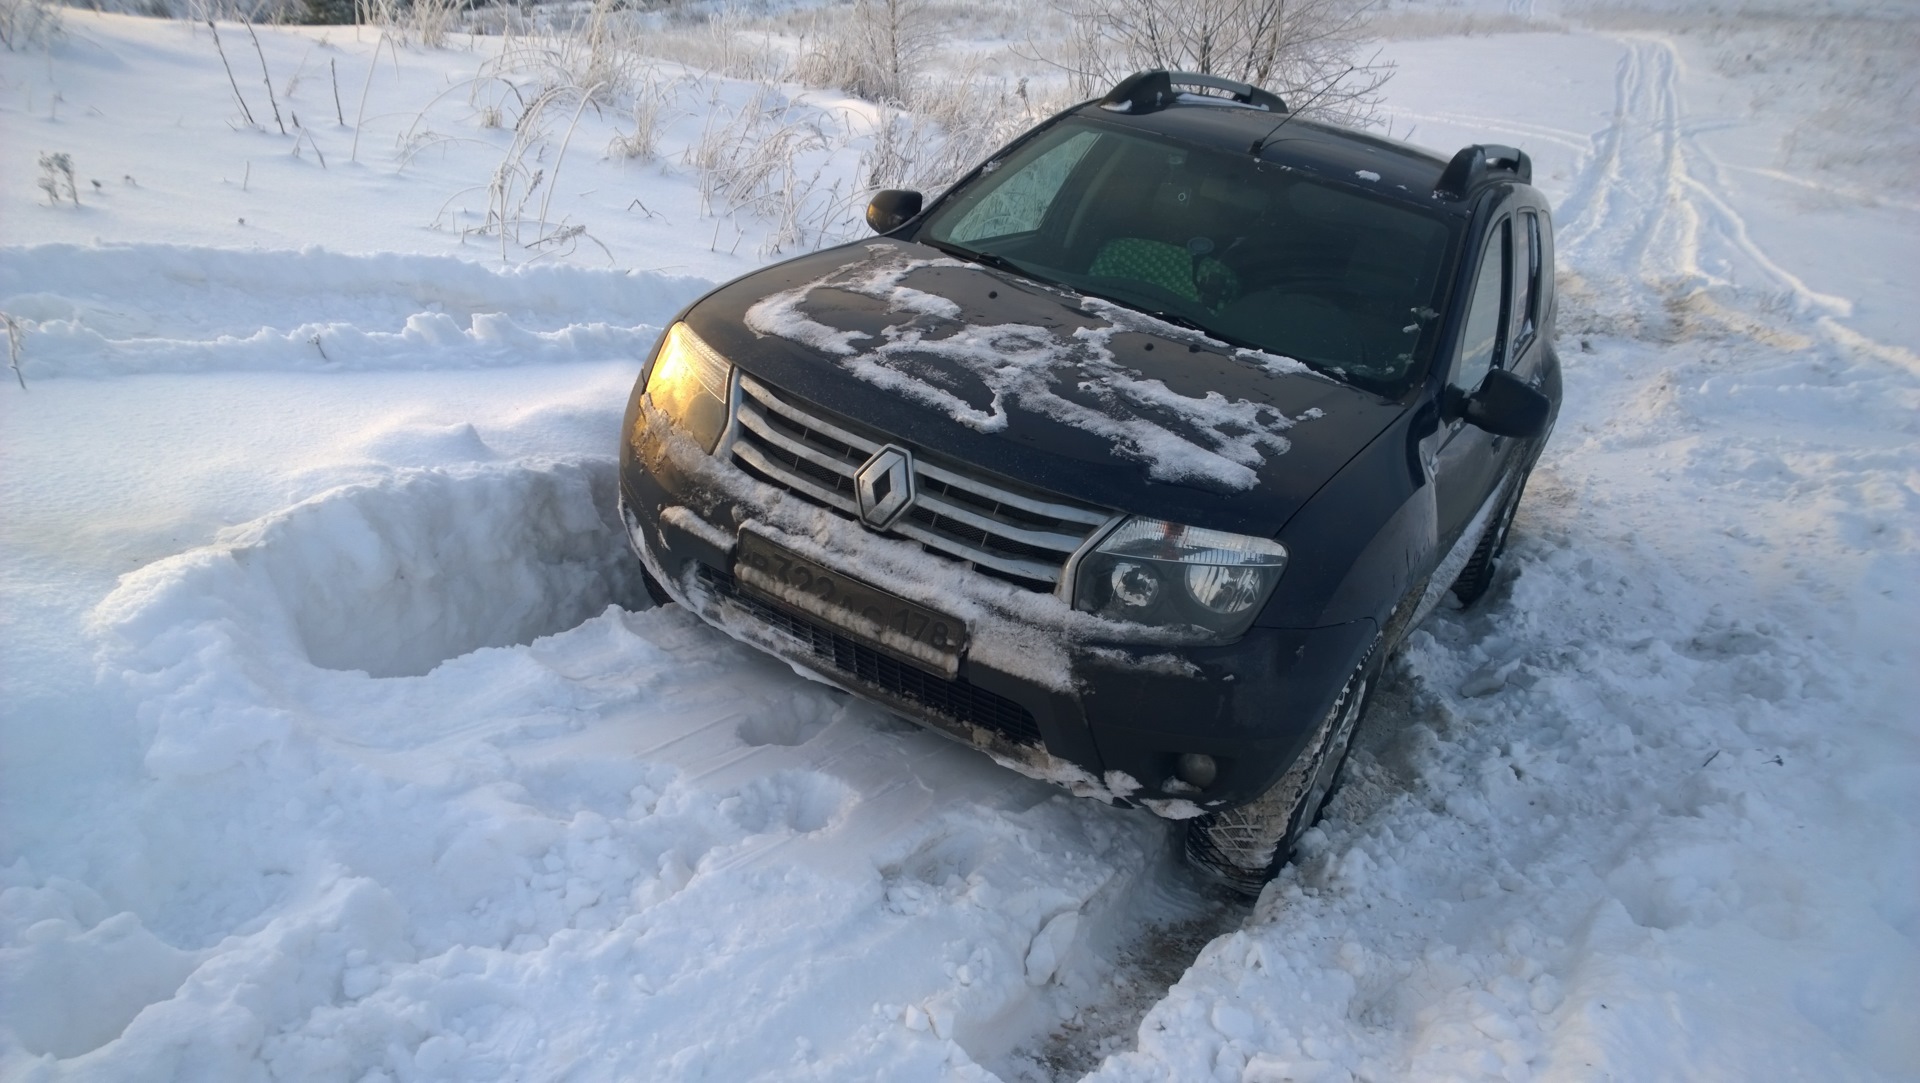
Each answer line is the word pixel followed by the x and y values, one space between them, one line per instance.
pixel 1246 846
pixel 1477 576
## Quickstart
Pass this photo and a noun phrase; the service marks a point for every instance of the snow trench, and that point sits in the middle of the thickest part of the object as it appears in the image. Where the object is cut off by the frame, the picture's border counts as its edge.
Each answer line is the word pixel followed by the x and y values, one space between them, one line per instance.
pixel 395 577
pixel 434 853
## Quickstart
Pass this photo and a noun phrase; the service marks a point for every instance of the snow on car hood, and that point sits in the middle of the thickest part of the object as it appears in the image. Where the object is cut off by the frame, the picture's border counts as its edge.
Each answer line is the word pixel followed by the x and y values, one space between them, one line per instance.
pixel 1040 383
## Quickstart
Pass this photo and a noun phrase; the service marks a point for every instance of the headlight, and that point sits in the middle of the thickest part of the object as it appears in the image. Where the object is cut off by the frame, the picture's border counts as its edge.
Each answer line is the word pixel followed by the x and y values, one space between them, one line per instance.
pixel 689 384
pixel 1153 572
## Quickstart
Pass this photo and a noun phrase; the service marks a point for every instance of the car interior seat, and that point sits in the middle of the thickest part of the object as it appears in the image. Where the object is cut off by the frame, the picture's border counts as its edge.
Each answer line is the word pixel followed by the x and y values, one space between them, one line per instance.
pixel 1169 240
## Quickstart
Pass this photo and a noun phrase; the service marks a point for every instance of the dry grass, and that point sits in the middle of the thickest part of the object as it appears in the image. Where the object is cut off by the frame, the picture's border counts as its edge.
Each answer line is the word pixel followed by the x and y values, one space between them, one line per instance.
pixel 27 24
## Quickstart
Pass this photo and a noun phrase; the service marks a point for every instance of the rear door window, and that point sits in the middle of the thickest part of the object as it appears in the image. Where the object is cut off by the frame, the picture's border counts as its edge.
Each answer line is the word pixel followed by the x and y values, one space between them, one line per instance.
pixel 1526 280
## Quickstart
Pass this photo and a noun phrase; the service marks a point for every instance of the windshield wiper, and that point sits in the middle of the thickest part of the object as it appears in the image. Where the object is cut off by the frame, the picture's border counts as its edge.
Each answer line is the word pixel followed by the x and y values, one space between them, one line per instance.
pixel 984 259
pixel 1181 320
pixel 1178 319
pixel 1186 322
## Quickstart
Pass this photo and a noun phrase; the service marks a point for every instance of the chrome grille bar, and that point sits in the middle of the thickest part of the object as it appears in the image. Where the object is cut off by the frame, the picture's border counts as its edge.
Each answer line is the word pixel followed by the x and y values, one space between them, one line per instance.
pixel 798 482
pixel 1072 513
pixel 1024 569
pixel 988 523
pixel 767 399
pixel 1043 539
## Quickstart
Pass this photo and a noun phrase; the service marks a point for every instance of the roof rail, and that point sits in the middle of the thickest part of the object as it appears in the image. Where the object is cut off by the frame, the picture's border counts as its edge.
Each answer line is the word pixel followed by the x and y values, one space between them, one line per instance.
pixel 1148 91
pixel 1471 166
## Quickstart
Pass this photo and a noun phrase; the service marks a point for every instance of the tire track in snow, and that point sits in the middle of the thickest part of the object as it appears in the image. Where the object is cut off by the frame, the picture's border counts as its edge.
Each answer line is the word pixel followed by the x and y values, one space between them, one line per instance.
pixel 1646 228
pixel 1572 140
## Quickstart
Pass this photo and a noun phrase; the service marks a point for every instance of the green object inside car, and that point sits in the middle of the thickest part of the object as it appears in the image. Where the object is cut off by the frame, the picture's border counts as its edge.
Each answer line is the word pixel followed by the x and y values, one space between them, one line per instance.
pixel 1168 266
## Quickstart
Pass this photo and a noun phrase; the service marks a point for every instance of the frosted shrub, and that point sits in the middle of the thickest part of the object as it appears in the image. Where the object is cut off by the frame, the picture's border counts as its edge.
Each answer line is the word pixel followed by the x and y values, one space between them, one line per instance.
pixel 56 175
pixel 27 23
pixel 649 111
pixel 768 160
pixel 604 53
pixel 740 160
pixel 1308 51
pixel 875 50
pixel 721 43
pixel 953 123
pixel 418 22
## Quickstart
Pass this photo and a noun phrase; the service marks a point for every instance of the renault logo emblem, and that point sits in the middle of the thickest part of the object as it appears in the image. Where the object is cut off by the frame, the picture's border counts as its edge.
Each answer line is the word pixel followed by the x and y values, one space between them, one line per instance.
pixel 884 485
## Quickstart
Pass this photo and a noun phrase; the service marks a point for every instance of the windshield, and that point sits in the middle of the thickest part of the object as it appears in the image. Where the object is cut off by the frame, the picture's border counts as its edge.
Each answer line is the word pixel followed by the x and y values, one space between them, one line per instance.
pixel 1250 252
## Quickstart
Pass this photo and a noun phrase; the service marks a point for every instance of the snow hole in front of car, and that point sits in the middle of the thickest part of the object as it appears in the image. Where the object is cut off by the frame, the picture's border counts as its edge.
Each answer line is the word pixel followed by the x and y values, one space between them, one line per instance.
pixel 393 577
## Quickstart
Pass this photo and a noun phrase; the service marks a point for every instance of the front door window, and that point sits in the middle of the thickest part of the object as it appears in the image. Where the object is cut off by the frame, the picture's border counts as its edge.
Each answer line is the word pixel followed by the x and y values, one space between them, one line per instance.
pixel 1483 342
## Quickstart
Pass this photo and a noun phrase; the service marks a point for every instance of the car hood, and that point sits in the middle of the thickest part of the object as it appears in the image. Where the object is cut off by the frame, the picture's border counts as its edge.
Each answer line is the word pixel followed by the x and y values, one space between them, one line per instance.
pixel 1072 394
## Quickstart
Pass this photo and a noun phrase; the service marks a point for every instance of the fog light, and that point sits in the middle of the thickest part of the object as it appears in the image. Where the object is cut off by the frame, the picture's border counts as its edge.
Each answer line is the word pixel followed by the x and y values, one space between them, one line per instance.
pixel 1197 769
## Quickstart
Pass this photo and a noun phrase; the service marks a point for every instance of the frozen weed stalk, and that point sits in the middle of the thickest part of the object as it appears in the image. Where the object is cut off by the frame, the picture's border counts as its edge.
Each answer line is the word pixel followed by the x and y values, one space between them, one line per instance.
pixel 514 181
pixel 649 112
pixel 14 334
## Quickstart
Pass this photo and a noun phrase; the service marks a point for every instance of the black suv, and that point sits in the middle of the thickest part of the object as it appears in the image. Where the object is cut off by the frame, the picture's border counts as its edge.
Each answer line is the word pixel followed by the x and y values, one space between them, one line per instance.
pixel 1130 458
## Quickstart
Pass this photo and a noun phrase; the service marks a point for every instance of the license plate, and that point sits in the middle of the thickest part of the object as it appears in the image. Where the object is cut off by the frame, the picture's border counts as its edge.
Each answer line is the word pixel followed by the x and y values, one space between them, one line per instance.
pixel 905 629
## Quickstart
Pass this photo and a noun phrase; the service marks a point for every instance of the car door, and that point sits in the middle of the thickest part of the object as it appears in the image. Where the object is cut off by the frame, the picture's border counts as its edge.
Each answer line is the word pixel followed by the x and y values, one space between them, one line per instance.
pixel 1527 315
pixel 1468 466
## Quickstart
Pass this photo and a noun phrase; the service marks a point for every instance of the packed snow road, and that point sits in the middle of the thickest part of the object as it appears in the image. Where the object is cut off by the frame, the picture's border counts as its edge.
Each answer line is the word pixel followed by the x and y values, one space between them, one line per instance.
pixel 340 742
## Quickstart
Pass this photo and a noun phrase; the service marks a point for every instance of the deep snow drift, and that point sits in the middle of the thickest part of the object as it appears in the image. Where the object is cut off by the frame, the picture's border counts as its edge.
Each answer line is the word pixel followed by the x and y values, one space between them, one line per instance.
pixel 339 743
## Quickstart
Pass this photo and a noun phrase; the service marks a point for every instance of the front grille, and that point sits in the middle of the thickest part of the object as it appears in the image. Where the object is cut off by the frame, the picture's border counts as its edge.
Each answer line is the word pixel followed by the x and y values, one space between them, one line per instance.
pixel 1011 531
pixel 957 699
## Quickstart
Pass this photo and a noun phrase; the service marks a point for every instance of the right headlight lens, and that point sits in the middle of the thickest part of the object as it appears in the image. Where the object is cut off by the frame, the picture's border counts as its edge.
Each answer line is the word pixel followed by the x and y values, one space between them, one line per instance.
pixel 1150 571
pixel 689 384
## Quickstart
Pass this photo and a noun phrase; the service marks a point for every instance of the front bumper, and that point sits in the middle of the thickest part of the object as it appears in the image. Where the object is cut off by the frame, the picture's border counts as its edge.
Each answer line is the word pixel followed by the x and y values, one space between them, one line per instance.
pixel 1103 719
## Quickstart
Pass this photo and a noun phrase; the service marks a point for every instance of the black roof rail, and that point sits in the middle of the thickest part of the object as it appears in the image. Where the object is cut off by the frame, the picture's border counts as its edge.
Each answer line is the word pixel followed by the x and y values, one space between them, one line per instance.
pixel 1471 166
pixel 1148 91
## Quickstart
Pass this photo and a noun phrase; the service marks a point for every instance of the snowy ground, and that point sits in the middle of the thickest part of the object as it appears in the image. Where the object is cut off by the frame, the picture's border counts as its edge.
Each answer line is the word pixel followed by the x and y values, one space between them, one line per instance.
pixel 338 742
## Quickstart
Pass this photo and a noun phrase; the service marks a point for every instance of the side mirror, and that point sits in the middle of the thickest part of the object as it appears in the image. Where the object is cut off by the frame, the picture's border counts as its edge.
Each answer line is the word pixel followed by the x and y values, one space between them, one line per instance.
pixel 892 208
pixel 1506 405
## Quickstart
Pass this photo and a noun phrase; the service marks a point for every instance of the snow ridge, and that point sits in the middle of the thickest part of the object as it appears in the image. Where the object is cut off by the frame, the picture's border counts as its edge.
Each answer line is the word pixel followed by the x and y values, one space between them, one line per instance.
pixel 314 310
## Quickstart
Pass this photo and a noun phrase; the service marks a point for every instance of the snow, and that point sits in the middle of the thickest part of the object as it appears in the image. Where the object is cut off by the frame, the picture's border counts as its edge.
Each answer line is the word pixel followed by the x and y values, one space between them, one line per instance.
pixel 1022 366
pixel 293 300
pixel 339 741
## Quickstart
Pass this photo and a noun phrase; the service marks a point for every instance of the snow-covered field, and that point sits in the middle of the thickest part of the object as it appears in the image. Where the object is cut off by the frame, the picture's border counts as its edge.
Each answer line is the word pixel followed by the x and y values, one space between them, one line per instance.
pixel 339 742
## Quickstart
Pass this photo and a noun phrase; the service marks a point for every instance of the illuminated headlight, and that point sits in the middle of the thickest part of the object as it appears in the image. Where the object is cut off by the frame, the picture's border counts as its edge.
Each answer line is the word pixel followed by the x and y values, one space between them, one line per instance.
pixel 689 385
pixel 1153 572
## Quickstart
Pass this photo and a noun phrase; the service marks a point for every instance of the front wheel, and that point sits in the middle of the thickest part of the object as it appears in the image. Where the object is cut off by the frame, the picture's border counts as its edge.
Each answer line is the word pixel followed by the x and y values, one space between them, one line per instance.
pixel 1477 576
pixel 1246 846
